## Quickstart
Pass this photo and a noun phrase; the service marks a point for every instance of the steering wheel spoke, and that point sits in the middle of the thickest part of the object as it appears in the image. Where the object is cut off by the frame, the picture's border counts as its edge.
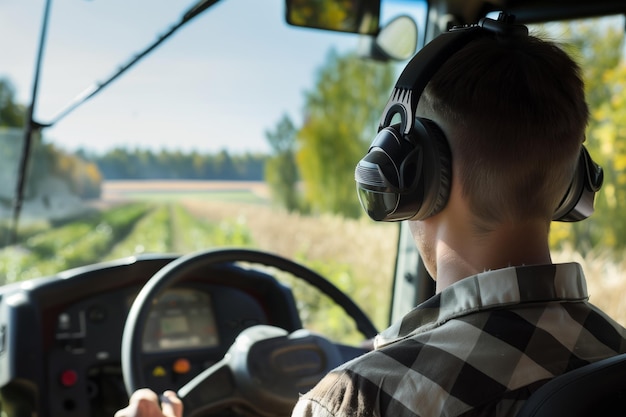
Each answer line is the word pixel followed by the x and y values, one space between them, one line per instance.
pixel 211 390
pixel 265 367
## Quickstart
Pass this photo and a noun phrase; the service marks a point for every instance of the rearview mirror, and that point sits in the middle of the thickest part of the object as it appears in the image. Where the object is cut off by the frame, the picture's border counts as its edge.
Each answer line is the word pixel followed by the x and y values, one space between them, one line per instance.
pixel 356 16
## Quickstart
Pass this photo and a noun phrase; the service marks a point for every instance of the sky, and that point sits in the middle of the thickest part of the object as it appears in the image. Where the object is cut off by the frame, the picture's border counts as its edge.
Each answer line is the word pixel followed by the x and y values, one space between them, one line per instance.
pixel 220 82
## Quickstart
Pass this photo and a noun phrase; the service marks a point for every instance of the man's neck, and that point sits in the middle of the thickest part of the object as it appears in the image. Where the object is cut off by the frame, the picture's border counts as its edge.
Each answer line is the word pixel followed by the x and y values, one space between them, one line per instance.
pixel 466 254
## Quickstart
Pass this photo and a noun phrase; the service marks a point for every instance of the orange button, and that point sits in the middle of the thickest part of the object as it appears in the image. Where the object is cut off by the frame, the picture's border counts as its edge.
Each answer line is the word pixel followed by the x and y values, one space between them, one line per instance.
pixel 181 366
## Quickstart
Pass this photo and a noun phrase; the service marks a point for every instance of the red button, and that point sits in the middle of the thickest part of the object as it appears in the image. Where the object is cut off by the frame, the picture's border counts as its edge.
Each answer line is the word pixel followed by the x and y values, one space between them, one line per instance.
pixel 68 378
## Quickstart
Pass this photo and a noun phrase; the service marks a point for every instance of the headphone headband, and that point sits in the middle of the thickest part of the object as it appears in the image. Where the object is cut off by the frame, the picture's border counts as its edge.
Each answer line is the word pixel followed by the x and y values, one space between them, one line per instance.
pixel 419 71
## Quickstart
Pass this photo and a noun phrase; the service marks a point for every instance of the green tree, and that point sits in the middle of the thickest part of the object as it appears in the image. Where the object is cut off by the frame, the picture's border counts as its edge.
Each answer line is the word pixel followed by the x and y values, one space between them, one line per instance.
pixel 281 171
pixel 341 119
pixel 598 45
pixel 12 114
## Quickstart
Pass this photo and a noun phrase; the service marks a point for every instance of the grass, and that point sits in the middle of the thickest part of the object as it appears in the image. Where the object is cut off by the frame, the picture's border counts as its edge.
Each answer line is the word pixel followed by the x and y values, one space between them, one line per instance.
pixel 356 255
pixel 66 245
pixel 605 273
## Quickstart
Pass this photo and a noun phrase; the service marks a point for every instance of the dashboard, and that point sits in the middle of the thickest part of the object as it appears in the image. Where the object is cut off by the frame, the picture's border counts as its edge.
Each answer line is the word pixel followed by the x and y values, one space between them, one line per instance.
pixel 60 336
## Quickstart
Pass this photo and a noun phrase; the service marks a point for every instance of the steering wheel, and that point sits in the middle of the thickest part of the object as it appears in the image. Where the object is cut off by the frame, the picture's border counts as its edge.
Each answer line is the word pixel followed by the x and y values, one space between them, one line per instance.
pixel 265 367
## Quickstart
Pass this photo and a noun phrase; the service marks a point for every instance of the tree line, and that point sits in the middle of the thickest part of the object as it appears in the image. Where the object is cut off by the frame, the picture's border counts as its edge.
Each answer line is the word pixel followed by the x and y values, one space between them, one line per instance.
pixel 144 164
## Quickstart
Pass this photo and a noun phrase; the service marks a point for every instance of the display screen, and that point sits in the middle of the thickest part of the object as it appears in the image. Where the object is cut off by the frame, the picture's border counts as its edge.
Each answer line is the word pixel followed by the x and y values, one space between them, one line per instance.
pixel 181 318
pixel 173 325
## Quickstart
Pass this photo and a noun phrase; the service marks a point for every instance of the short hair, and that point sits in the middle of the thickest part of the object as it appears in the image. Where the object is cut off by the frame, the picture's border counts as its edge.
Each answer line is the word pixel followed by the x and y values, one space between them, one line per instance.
pixel 517 115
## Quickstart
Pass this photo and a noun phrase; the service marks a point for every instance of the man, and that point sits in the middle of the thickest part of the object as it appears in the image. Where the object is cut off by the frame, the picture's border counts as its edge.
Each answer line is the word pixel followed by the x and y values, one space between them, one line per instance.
pixel 504 319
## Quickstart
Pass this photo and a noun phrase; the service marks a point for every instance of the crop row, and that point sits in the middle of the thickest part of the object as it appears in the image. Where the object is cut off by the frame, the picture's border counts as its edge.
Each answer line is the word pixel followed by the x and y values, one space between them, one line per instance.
pixel 115 233
pixel 150 227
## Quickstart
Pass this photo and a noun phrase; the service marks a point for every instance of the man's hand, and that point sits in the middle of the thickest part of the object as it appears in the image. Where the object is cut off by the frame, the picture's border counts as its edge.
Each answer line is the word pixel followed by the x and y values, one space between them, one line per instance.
pixel 145 403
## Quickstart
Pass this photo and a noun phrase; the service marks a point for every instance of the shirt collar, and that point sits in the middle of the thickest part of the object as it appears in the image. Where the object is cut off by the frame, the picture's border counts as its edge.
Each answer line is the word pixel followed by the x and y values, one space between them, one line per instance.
pixel 491 289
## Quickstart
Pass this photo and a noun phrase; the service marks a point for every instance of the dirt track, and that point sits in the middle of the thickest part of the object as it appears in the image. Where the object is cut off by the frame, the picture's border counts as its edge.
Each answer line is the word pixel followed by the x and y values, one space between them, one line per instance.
pixel 115 190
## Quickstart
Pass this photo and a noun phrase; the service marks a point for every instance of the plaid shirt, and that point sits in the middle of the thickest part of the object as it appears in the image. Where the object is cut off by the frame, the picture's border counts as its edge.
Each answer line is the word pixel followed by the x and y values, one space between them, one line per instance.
pixel 478 348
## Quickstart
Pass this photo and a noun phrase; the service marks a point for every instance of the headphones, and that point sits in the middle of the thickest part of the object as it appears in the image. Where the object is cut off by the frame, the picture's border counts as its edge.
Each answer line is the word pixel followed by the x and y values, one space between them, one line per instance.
pixel 406 173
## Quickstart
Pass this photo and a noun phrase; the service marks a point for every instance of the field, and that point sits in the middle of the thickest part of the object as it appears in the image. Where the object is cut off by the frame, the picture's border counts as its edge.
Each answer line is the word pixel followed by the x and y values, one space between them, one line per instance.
pixel 181 217
pixel 245 208
pixel 230 191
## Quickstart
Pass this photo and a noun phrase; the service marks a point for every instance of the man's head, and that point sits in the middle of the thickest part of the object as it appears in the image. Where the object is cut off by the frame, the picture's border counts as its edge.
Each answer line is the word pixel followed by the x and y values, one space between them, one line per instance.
pixel 514 114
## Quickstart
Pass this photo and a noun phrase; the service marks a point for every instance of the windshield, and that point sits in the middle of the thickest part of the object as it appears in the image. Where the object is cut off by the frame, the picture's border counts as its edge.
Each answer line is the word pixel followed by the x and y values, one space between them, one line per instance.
pixel 194 147
pixel 238 131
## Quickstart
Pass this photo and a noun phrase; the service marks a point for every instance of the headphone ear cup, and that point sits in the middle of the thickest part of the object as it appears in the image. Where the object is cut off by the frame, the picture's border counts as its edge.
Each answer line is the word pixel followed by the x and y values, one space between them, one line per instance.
pixel 436 169
pixel 405 176
pixel 577 203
